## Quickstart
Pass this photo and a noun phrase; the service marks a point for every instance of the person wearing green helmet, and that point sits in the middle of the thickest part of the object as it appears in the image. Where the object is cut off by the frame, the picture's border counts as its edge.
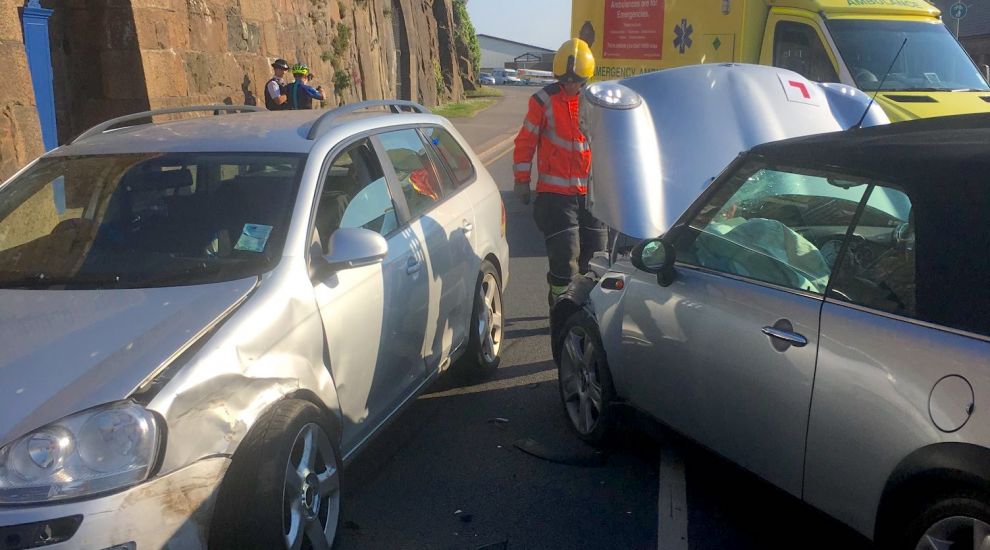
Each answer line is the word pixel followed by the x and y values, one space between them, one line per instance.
pixel 301 94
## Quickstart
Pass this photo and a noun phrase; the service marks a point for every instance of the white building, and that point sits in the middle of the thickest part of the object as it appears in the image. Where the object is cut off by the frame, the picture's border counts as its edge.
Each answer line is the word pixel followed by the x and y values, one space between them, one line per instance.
pixel 496 52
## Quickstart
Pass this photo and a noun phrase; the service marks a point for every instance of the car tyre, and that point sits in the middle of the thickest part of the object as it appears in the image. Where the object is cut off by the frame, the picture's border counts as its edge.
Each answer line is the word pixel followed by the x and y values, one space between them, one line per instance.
pixel 585 381
pixel 282 489
pixel 958 520
pixel 487 329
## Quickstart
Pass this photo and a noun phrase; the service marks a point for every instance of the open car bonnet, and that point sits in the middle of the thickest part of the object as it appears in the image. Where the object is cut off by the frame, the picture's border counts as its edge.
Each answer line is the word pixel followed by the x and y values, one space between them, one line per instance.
pixel 659 139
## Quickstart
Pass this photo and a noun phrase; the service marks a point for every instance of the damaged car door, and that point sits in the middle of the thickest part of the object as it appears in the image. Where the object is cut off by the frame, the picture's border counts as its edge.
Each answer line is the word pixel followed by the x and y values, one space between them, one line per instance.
pixel 365 302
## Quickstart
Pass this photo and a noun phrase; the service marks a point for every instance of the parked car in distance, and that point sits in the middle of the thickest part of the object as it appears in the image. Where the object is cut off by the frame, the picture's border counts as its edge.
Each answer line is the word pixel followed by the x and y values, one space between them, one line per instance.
pixel 486 79
pixel 818 314
pixel 223 310
pixel 505 76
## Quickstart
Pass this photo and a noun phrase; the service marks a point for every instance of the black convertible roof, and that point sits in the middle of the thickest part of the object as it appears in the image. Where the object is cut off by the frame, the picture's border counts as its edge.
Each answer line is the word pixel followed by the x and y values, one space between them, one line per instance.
pixel 901 151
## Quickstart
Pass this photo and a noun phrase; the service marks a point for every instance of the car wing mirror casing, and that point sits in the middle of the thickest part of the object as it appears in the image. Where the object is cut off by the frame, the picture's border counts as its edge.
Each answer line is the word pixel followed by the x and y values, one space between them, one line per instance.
pixel 656 256
pixel 350 248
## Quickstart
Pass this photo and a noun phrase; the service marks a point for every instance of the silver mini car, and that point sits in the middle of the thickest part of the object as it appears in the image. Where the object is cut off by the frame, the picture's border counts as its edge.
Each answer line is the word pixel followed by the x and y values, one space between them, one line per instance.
pixel 818 314
pixel 202 320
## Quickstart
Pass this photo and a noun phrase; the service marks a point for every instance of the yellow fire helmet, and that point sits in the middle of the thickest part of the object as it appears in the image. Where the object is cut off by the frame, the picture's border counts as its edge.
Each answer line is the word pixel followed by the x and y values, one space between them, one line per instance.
pixel 574 61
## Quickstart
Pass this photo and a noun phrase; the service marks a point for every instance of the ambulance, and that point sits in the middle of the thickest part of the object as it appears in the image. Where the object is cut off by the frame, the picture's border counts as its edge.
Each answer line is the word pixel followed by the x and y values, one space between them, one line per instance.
pixel 898 49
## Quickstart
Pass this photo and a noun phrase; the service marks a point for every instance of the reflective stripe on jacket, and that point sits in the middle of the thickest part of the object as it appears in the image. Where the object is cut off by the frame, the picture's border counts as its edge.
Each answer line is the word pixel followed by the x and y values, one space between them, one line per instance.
pixel 564 157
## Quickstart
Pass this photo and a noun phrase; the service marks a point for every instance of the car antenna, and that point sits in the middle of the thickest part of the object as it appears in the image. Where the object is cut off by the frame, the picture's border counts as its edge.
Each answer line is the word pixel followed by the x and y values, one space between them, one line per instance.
pixel 880 86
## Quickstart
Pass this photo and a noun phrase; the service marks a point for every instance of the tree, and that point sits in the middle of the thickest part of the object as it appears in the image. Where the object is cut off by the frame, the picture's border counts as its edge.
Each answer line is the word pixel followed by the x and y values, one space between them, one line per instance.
pixel 467 34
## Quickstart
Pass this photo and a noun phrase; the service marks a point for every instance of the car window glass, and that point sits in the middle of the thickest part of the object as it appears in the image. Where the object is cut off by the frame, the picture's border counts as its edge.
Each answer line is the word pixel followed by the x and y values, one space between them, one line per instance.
pixel 418 178
pixel 797 47
pixel 452 153
pixel 775 226
pixel 148 219
pixel 355 195
pixel 877 269
pixel 931 59
pixel 930 266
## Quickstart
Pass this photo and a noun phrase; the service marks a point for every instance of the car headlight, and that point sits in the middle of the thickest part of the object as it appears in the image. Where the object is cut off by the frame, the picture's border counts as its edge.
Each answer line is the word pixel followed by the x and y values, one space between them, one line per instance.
pixel 613 95
pixel 95 451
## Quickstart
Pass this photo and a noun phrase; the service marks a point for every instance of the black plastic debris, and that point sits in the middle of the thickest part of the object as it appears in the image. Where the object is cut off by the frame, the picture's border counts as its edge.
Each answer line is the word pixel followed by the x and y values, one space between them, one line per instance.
pixel 499 421
pixel 464 516
pixel 590 458
pixel 501 545
pixel 351 526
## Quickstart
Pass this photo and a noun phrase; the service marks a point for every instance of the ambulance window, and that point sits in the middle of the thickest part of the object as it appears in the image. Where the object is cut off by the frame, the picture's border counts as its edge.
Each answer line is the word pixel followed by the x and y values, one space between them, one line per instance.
pixel 798 48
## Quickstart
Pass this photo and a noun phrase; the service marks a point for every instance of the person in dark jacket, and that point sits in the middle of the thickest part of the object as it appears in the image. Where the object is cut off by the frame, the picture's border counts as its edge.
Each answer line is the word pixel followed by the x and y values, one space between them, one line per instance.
pixel 301 94
pixel 275 98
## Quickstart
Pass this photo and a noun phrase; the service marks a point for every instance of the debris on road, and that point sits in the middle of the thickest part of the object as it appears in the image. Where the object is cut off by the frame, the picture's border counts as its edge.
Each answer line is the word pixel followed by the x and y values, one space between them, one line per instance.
pixel 464 516
pixel 592 458
pixel 499 422
pixel 353 526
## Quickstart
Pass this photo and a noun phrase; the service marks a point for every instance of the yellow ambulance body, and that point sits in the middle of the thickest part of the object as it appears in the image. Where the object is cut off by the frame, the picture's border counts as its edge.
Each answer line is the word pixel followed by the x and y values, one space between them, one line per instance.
pixel 849 41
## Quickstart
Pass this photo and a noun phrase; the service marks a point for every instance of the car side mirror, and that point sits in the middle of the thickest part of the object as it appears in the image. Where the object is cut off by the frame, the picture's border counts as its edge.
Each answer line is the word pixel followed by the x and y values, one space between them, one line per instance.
pixel 655 256
pixel 350 248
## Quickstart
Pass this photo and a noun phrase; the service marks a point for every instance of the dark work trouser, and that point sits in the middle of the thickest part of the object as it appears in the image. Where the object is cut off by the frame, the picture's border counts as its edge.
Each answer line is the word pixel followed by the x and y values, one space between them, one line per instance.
pixel 572 236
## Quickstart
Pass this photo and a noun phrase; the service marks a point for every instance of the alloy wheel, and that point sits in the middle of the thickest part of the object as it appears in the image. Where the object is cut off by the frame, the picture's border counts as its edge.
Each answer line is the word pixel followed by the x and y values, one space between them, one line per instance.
pixel 311 494
pixel 956 533
pixel 580 384
pixel 490 322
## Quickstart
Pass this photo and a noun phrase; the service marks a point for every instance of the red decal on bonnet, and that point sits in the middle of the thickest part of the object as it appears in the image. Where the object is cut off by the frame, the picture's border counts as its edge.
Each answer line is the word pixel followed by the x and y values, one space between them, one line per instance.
pixel 800 86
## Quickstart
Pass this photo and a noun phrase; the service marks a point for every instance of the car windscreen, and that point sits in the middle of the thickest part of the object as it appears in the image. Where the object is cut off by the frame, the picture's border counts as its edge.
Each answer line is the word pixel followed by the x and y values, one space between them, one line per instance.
pixel 932 59
pixel 145 220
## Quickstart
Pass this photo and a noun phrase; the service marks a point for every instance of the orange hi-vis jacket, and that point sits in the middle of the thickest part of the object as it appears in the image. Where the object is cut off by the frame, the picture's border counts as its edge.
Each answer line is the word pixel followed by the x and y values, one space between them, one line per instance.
pixel 564 158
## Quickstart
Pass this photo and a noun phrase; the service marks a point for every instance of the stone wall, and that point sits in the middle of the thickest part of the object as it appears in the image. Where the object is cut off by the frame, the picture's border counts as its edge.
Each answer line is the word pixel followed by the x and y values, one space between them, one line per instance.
pixel 98 71
pixel 141 54
pixel 20 132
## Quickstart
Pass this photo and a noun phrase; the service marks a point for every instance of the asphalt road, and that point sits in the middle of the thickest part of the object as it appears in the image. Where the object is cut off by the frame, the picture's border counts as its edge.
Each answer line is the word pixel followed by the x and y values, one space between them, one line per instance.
pixel 447 474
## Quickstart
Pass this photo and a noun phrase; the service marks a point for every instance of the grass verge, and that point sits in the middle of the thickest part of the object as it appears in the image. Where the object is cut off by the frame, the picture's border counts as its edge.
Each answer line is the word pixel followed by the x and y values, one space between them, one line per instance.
pixel 464 109
pixel 483 91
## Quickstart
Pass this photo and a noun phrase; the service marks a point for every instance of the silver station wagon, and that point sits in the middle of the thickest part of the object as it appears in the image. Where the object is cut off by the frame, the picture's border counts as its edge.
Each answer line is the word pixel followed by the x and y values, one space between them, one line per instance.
pixel 816 310
pixel 202 320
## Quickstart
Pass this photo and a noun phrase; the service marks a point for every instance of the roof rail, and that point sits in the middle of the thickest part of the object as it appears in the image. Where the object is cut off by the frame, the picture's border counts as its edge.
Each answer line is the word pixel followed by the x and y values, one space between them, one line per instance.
pixel 395 105
pixel 104 126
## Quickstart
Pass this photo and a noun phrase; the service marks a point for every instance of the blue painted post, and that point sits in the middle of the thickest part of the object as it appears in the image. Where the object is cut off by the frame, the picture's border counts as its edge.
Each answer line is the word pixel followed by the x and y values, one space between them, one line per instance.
pixel 39 57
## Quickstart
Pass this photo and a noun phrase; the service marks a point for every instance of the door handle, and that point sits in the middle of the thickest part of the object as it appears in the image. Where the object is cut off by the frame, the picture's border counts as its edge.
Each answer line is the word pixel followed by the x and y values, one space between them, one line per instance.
pixel 468 226
pixel 413 266
pixel 791 338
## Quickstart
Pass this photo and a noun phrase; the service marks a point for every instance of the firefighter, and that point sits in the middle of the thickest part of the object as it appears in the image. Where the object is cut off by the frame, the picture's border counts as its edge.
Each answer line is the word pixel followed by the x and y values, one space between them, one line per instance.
pixel 571 233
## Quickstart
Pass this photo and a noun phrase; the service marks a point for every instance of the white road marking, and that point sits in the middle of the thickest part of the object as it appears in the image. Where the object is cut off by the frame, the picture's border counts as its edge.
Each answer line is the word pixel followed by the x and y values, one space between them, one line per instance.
pixel 505 144
pixel 672 510
pixel 548 375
